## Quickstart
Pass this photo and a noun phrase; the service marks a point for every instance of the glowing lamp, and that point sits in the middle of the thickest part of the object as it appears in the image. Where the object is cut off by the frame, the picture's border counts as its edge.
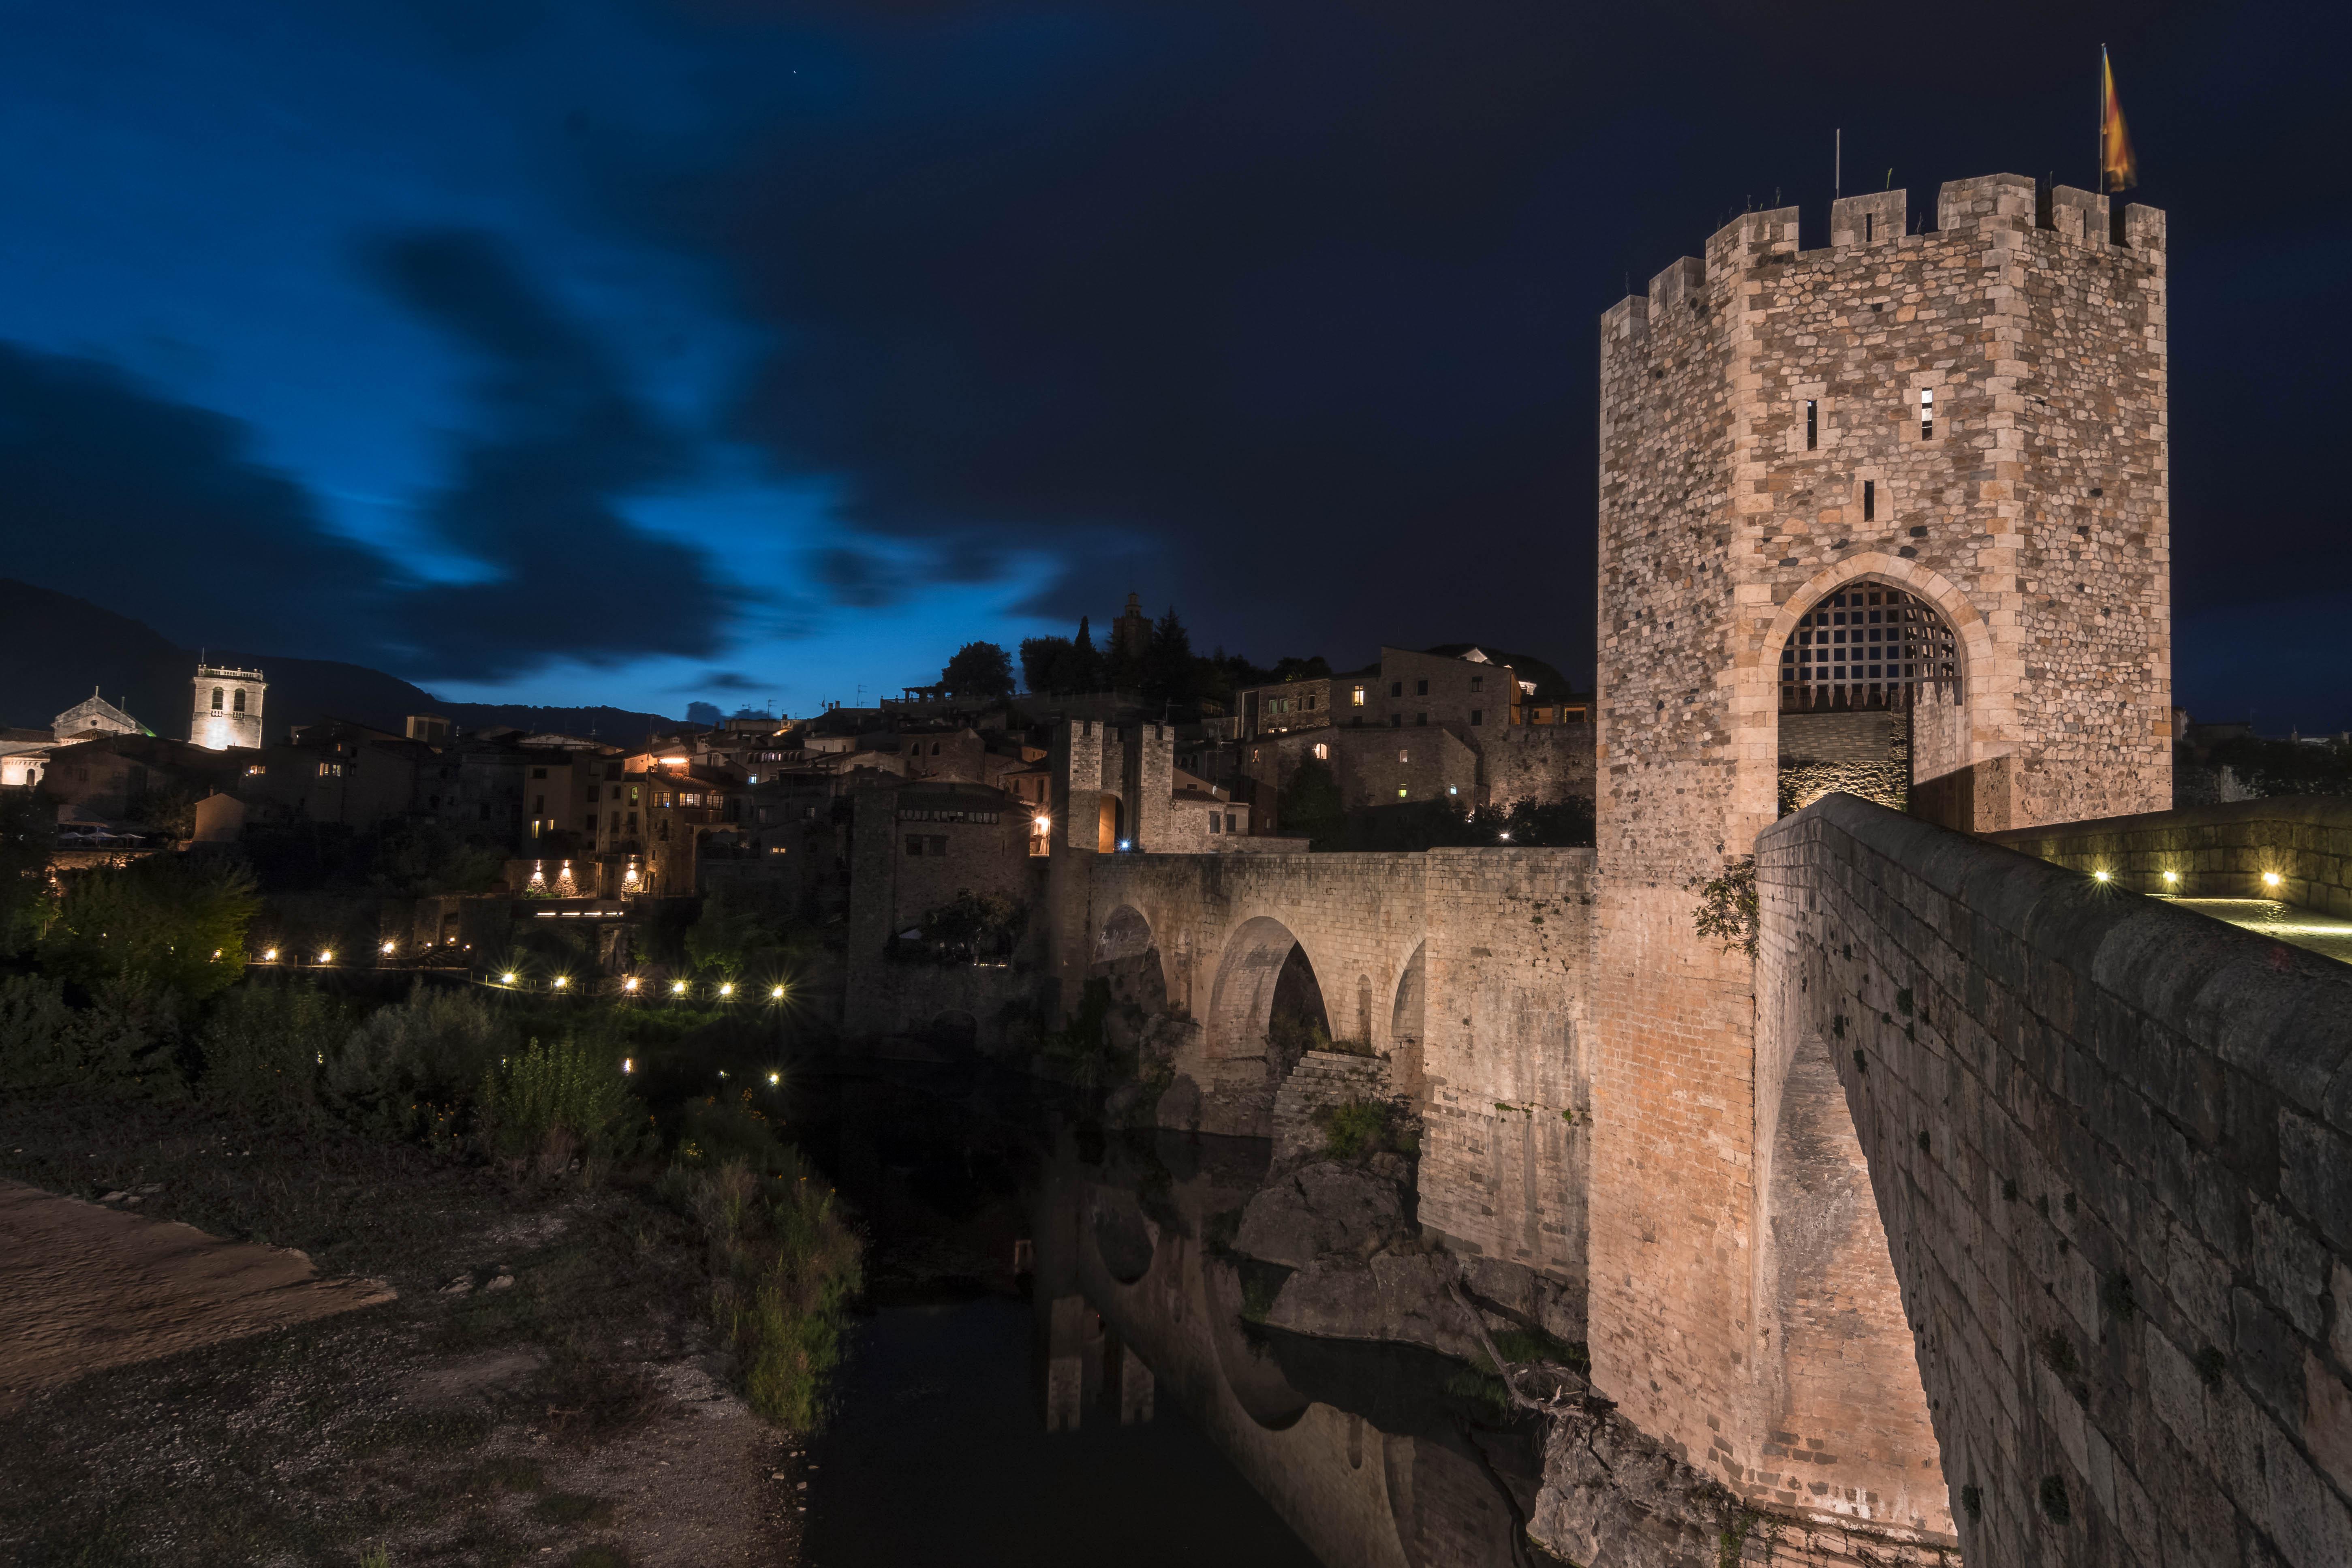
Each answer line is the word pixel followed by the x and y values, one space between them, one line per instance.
pixel 630 983
pixel 628 1064
pixel 269 956
pixel 2171 877
pixel 561 980
pixel 776 993
pixel 2099 876
pixel 678 987
pixel 2269 878
pixel 508 978
pixel 328 956
pixel 727 990
pixel 387 947
pixel 1044 823
pixel 776 1078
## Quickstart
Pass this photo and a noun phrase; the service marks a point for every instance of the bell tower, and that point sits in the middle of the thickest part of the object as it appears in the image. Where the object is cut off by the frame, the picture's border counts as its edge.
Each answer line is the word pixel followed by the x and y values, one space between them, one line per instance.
pixel 226 710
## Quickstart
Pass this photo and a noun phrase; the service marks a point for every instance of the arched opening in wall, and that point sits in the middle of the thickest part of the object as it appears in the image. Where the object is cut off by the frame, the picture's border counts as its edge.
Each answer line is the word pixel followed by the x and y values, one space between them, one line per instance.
pixel 1266 1003
pixel 1405 1023
pixel 1127 958
pixel 1872 703
pixel 1838 1353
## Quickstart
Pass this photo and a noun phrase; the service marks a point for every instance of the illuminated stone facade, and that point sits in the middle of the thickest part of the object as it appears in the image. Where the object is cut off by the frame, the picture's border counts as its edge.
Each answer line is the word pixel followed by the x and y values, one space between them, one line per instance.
pixel 227 708
pixel 1975 416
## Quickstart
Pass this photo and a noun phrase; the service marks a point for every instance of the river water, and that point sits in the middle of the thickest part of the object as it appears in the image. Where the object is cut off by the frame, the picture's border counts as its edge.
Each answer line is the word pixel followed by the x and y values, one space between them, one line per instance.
pixel 1058 1361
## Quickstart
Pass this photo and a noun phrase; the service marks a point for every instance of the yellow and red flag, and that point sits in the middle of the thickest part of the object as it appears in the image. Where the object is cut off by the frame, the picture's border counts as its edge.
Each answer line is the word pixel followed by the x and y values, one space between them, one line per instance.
pixel 2119 170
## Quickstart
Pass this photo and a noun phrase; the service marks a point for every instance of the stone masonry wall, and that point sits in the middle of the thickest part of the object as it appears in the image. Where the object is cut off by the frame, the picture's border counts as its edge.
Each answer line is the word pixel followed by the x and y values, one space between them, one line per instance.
pixel 1542 763
pixel 2033 515
pixel 2215 851
pixel 2111 1142
pixel 1465 969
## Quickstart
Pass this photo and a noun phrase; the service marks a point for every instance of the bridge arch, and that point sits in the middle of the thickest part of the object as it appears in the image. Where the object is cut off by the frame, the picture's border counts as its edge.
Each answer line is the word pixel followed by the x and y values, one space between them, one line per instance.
pixel 1838 1367
pixel 1126 953
pixel 1266 1001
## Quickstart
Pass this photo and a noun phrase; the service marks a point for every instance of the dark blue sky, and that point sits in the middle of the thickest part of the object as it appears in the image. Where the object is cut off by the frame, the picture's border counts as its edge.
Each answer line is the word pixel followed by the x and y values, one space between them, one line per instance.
pixel 639 352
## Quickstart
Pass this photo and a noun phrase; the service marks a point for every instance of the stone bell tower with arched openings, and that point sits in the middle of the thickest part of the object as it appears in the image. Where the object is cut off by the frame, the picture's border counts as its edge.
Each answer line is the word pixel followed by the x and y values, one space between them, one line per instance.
pixel 1918 477
pixel 226 710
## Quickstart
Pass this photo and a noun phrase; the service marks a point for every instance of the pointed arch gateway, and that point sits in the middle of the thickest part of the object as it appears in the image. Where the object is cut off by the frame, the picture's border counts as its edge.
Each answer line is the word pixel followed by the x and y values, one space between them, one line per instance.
pixel 1877 696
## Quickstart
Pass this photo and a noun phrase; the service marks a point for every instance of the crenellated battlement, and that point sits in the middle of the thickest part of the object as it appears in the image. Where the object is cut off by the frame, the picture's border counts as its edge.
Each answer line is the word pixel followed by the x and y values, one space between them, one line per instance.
pixel 1986 205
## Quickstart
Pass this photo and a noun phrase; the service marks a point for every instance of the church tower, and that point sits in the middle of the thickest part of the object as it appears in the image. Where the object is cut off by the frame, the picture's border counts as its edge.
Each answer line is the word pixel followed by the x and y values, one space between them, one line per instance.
pixel 1889 516
pixel 228 708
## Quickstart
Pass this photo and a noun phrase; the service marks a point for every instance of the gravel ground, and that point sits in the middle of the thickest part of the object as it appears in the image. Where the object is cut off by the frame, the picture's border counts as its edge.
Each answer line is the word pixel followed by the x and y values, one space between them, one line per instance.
pixel 539 1388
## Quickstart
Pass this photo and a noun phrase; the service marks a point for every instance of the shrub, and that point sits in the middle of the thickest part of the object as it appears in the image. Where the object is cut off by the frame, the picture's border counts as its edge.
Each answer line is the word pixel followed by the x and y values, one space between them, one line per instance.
pixel 1727 908
pixel 554 1101
pixel 178 920
pixel 1355 1128
pixel 786 1266
pixel 263 1049
pixel 403 1069
pixel 35 1049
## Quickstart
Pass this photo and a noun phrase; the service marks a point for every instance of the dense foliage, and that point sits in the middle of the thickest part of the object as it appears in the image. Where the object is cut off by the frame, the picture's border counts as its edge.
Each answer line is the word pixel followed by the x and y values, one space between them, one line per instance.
pixel 178 920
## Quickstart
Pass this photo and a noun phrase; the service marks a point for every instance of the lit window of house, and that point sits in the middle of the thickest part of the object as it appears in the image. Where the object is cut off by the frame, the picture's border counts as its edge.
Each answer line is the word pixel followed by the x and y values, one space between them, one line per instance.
pixel 1355 698
pixel 1322 753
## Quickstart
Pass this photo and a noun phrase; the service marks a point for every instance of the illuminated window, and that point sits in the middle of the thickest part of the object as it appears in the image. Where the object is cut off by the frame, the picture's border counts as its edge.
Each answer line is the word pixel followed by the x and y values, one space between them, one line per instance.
pixel 1400 792
pixel 1322 752
pixel 1355 698
pixel 1405 756
pixel 1812 424
pixel 1926 413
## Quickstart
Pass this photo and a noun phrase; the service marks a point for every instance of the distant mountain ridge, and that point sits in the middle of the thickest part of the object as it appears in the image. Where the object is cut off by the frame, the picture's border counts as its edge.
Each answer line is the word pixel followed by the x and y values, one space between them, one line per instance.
pixel 54 647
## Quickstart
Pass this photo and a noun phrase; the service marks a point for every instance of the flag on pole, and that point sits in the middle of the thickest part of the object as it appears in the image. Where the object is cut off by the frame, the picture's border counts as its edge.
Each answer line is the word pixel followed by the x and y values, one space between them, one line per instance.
pixel 2119 170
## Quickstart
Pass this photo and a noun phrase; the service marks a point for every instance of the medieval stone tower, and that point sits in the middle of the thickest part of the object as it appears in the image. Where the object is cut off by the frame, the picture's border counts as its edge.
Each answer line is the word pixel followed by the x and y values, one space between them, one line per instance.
pixel 1908 492
pixel 228 708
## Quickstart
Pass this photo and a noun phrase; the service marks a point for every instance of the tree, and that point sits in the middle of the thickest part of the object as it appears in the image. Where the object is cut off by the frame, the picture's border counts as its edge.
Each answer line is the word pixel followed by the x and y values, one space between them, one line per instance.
pixel 177 921
pixel 981 671
pixel 1311 804
pixel 1289 669
pixel 1170 676
pixel 1042 661
pixel 1086 670
pixel 703 713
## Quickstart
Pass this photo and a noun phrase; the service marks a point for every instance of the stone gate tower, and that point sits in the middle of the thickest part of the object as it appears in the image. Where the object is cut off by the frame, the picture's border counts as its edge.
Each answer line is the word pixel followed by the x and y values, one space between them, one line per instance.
pixel 1920 475
pixel 227 706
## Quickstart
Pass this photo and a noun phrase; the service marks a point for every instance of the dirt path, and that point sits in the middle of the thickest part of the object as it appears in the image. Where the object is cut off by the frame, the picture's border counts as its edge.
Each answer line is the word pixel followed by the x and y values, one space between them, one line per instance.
pixel 534 1379
pixel 85 1286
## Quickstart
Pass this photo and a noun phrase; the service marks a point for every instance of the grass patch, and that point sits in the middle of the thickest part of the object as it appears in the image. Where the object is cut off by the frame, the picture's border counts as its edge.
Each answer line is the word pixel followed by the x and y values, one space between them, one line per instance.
pixel 1354 1129
pixel 1519 1346
pixel 786 1264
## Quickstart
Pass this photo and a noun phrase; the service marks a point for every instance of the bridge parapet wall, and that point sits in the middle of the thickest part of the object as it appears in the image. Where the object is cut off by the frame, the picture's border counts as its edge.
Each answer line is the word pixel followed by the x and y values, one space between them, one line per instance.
pixel 2112 1144
pixel 2214 851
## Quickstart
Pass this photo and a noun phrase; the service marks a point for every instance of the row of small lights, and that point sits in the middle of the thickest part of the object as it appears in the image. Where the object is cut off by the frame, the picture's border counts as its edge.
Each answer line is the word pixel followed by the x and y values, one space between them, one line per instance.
pixel 2271 880
pixel 630 986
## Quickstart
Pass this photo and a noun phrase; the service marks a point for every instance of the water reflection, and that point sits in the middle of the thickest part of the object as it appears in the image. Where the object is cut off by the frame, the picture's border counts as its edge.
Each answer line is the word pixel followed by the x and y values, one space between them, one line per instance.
pixel 1066 1365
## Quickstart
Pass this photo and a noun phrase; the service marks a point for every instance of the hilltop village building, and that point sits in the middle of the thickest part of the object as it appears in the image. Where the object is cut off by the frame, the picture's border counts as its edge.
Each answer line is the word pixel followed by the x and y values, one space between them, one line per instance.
pixel 1458 722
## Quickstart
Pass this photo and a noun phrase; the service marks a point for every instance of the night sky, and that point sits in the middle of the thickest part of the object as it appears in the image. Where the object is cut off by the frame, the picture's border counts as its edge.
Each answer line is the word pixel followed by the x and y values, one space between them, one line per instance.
pixel 644 353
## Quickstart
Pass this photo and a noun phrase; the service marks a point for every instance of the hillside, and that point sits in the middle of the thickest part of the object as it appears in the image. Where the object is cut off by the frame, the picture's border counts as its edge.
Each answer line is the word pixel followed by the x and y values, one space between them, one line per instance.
pixel 57 647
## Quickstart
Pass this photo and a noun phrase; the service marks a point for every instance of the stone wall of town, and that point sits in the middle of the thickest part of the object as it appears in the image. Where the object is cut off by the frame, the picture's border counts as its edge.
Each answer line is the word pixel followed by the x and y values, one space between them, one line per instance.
pixel 2031 512
pixel 2296 849
pixel 1539 762
pixel 2111 1142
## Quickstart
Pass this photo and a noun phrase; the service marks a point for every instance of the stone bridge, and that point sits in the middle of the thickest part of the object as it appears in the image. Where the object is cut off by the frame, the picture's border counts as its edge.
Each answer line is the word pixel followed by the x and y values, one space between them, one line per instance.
pixel 1460 970
pixel 2045 1247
